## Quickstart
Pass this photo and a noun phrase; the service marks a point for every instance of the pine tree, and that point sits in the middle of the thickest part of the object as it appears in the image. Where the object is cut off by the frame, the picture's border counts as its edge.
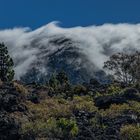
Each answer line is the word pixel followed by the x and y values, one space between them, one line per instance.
pixel 6 64
pixel 53 82
pixel 62 78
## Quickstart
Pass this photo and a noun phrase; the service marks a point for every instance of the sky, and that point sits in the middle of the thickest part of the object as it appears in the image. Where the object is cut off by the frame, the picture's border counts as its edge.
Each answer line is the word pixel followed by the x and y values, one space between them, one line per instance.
pixel 70 13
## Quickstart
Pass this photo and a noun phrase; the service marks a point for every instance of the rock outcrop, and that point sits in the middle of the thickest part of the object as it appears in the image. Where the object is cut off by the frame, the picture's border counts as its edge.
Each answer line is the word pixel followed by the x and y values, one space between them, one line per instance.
pixel 10 102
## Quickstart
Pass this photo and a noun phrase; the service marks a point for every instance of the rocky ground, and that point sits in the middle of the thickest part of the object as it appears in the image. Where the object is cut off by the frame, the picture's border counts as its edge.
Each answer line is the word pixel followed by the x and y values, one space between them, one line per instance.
pixel 80 112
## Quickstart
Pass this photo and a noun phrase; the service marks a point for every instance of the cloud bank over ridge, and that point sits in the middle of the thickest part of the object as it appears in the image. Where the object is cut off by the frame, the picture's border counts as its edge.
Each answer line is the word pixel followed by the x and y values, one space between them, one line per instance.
pixel 96 42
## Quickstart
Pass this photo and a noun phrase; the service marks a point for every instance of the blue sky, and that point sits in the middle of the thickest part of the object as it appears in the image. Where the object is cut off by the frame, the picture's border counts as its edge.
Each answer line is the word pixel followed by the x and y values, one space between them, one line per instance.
pixel 35 13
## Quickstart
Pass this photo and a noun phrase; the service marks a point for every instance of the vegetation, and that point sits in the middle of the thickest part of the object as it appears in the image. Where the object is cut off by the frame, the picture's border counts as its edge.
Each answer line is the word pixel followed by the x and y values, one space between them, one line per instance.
pixel 130 132
pixel 125 67
pixel 60 110
pixel 6 64
pixel 61 129
pixel 58 117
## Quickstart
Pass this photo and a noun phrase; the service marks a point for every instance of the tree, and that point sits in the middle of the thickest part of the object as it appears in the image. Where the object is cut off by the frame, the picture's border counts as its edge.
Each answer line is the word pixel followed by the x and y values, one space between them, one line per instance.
pixel 125 67
pixel 58 80
pixel 6 64
pixel 62 78
pixel 136 66
pixel 59 85
pixel 53 82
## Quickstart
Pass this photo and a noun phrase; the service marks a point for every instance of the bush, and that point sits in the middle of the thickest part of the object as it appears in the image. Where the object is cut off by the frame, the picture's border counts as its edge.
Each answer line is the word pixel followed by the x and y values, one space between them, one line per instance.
pixel 40 128
pixel 79 90
pixel 113 89
pixel 116 110
pixel 50 107
pixel 52 128
pixel 83 103
pixel 68 127
pixel 130 132
pixel 20 88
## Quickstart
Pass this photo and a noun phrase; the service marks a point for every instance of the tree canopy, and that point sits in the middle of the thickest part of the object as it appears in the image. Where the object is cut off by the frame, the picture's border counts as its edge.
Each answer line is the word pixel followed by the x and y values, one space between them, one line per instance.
pixel 125 67
pixel 6 64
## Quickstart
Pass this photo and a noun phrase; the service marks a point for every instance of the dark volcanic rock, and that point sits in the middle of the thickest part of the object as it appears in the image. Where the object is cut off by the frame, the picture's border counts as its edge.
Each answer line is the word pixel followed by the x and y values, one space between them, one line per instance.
pixel 120 98
pixel 9 128
pixel 10 99
pixel 83 121
pixel 10 102
pixel 114 124
pixel 131 94
pixel 105 101
pixel 33 98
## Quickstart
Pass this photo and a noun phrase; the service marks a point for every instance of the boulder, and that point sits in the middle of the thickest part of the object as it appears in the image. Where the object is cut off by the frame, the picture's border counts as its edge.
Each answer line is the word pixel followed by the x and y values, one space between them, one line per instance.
pixel 11 107
pixel 9 128
pixel 10 99
pixel 131 94
pixel 104 102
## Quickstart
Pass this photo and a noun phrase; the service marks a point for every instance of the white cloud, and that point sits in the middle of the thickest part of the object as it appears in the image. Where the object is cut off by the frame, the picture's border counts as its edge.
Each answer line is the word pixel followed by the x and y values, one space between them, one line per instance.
pixel 96 42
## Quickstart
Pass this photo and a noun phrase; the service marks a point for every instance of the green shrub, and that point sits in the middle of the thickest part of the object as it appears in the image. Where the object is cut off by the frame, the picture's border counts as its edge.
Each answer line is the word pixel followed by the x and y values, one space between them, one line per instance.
pixel 79 89
pixel 97 94
pixel 51 107
pixel 83 103
pixel 52 128
pixel 68 127
pixel 113 89
pixel 130 132
pixel 118 109
pixel 21 89
pixel 41 129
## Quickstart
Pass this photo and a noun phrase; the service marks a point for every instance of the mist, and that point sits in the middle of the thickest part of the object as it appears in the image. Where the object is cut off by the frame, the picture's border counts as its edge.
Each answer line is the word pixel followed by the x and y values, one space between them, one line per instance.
pixel 97 43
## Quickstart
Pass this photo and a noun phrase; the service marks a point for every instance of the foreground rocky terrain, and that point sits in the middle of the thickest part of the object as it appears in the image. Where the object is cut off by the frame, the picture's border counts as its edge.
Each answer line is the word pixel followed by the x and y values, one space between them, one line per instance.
pixel 69 112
